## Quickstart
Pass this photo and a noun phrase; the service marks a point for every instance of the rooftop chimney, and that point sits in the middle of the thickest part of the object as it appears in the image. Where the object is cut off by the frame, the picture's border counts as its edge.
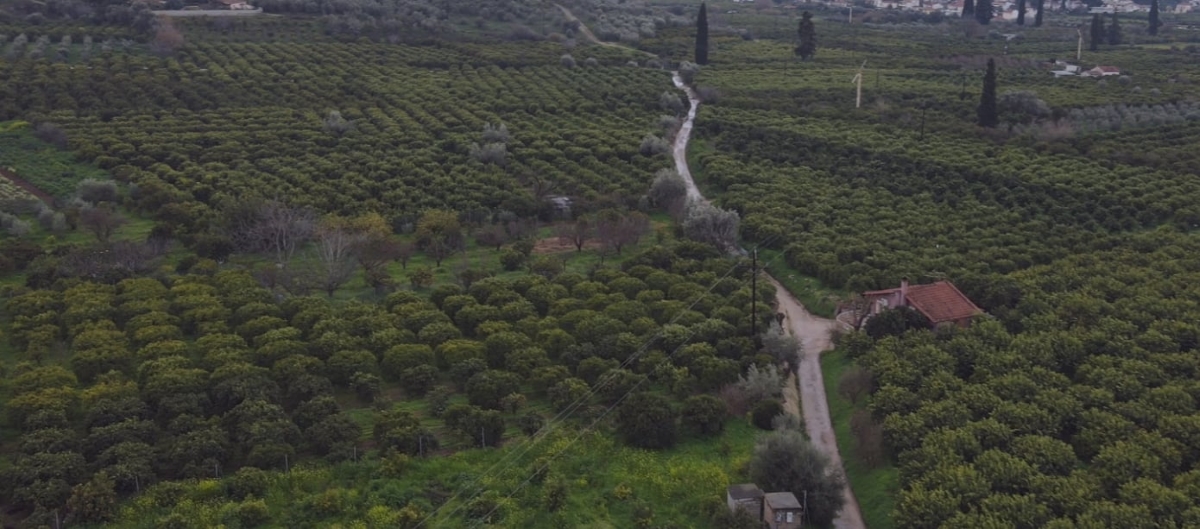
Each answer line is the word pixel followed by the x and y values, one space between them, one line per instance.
pixel 904 292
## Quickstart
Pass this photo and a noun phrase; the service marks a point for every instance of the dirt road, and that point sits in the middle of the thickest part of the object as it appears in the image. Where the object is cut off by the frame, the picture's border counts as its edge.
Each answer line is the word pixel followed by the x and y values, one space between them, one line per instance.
pixel 814 336
pixel 679 149
pixel 813 332
pixel 592 36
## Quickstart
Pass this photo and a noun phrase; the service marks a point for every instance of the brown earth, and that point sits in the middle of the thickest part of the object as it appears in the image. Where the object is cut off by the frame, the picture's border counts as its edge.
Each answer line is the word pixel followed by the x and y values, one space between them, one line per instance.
pixel 557 245
pixel 28 187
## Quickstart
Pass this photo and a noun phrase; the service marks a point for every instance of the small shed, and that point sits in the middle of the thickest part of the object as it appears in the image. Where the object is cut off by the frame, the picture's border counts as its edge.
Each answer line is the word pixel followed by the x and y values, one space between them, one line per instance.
pixel 745 496
pixel 782 511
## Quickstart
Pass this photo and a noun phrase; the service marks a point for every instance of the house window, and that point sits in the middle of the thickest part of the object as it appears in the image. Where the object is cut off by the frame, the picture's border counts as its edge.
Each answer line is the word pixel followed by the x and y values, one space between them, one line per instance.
pixel 789 517
pixel 778 517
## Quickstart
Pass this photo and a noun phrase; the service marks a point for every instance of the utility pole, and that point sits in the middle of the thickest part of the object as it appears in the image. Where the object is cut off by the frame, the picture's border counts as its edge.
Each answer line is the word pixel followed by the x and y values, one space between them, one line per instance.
pixel 850 19
pixel 754 295
pixel 858 80
pixel 482 438
pixel 1079 48
pixel 286 468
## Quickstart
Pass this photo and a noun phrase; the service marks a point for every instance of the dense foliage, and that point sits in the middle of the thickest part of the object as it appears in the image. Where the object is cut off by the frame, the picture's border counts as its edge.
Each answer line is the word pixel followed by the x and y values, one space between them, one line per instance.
pixel 197 376
pixel 1085 418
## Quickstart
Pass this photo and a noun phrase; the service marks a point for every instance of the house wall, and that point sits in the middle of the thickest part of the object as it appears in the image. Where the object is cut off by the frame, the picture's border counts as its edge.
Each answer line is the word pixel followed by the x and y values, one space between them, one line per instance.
pixel 751 505
pixel 883 303
pixel 769 518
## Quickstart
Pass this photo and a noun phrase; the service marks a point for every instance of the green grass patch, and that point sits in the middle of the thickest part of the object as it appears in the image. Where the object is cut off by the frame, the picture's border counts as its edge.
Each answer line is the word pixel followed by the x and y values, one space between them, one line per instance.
pixel 875 488
pixel 50 169
pixel 604 480
pixel 818 298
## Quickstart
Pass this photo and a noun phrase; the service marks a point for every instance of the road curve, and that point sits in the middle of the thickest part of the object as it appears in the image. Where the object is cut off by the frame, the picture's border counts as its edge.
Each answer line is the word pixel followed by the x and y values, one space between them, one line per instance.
pixel 813 333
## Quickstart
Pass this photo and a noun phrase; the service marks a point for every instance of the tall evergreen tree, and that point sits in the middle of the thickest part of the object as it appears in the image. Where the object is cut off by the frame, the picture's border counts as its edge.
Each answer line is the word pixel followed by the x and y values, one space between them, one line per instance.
pixel 968 8
pixel 1020 12
pixel 984 11
pixel 987 101
pixel 1097 33
pixel 1114 31
pixel 1037 19
pixel 1154 22
pixel 702 35
pixel 807 46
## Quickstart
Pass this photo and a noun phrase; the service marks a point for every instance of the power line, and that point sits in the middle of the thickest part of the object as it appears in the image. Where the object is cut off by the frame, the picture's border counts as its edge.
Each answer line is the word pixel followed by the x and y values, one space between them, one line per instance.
pixel 608 410
pixel 565 413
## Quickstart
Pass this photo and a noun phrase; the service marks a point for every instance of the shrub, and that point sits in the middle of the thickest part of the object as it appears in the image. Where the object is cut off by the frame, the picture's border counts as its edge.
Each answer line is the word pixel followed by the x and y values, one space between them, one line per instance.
pixel 704 415
pixel 653 146
pixel 761 384
pixel 764 414
pixel 567 61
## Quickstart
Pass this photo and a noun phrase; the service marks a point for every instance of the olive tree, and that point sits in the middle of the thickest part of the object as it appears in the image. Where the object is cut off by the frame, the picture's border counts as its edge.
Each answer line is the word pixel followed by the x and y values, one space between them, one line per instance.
pixel 784 460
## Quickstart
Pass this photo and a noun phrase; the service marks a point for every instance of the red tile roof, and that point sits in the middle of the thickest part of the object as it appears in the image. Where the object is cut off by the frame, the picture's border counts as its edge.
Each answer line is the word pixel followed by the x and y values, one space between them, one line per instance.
pixel 940 301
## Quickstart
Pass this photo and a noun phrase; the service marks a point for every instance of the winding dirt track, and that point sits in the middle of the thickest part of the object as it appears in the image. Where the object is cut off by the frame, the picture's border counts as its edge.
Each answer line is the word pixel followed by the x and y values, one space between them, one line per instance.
pixel 592 36
pixel 813 333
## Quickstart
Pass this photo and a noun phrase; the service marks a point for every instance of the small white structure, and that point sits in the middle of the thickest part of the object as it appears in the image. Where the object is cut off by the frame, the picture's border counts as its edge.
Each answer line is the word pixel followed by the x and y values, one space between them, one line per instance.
pixel 1102 71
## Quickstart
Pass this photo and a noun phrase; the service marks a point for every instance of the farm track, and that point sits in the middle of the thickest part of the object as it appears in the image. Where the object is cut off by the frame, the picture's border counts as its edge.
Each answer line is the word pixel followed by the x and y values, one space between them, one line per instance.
pixel 28 187
pixel 813 332
pixel 592 36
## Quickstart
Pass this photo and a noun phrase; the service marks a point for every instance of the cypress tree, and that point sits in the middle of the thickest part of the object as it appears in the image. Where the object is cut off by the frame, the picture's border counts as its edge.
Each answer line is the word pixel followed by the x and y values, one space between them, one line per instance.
pixel 1114 31
pixel 1097 32
pixel 808 37
pixel 702 35
pixel 984 11
pixel 968 8
pixel 1037 19
pixel 1154 23
pixel 1020 12
pixel 987 101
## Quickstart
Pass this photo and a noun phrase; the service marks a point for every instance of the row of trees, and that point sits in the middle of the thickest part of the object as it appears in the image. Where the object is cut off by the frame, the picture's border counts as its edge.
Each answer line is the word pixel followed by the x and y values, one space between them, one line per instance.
pixel 200 374
pixel 1086 416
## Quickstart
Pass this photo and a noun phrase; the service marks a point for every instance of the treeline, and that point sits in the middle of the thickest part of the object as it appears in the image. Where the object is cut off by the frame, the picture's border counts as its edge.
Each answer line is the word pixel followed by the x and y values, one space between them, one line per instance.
pixel 134 15
pixel 865 206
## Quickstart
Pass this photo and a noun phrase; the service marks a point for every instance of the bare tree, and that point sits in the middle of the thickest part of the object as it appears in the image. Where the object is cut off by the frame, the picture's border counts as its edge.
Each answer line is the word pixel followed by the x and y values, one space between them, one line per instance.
pixel 616 230
pixel 577 232
pixel 439 249
pixel 373 252
pixel 868 438
pixel 101 221
pixel 404 253
pixel 858 307
pixel 51 133
pixel 109 262
pixel 492 236
pixel 854 384
pixel 274 227
pixel 167 38
pixel 335 245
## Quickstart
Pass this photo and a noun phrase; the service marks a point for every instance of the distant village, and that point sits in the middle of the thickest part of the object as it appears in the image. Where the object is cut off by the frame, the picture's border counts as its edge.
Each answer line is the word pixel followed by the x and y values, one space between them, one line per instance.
pixel 1007 10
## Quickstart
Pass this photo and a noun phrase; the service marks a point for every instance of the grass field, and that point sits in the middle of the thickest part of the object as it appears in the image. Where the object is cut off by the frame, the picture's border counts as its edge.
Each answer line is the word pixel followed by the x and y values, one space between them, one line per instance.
pixel 607 483
pixel 54 171
pixel 874 487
